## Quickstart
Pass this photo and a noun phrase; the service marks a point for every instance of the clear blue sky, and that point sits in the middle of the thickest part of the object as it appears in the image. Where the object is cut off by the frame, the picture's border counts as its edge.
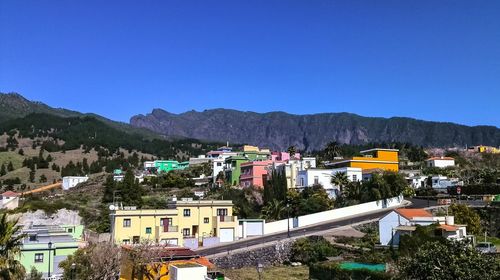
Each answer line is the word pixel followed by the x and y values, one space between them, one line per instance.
pixel 432 60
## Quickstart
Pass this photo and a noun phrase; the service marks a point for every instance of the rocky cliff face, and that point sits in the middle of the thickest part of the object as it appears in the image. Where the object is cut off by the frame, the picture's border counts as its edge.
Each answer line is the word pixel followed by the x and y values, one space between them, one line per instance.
pixel 280 130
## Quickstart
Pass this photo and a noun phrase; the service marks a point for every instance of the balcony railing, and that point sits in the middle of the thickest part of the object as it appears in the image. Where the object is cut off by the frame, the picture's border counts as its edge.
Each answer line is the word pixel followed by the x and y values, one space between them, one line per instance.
pixel 225 219
pixel 170 228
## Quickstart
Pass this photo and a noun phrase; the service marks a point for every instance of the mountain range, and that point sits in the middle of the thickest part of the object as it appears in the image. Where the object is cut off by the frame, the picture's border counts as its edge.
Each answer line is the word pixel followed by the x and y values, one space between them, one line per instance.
pixel 280 130
pixel 277 130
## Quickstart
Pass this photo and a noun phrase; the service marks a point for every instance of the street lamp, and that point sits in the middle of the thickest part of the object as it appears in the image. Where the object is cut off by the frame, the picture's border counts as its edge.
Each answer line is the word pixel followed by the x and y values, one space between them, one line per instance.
pixel 73 268
pixel 50 247
pixel 260 269
pixel 288 218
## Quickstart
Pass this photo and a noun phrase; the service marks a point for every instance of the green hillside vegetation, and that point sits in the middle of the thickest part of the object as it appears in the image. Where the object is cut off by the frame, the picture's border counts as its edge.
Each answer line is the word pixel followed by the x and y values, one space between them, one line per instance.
pixel 92 133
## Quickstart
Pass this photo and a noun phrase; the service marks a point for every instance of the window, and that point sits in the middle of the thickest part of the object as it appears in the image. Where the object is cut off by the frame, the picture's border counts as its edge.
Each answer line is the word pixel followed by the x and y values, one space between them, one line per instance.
pixel 186 232
pixel 187 212
pixel 148 230
pixel 222 212
pixel 70 230
pixel 354 178
pixel 166 221
pixel 39 258
pixel 136 239
pixel 316 180
pixel 301 181
pixel 219 164
pixel 206 220
pixel 126 241
pixel 126 223
pixel 33 237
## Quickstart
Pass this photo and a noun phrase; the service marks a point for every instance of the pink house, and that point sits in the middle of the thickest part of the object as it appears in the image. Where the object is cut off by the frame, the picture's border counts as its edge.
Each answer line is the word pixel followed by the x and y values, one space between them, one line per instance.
pixel 283 156
pixel 253 173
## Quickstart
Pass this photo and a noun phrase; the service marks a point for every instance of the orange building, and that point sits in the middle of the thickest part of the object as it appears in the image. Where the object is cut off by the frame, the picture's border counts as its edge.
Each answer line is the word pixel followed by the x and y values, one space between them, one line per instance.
pixel 384 159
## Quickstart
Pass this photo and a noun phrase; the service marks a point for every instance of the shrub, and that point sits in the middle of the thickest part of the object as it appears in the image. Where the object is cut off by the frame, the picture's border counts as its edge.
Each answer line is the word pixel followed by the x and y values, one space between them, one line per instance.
pixel 312 249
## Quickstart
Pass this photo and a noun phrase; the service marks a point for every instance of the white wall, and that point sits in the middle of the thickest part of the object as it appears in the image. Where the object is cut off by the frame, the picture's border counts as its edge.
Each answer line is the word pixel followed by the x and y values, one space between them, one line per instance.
pixel 329 215
pixel 71 181
pixel 440 163
pixel 386 224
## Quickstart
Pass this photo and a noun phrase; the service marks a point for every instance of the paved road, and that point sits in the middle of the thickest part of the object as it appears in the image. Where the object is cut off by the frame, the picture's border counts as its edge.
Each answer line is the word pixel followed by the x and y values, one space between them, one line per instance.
pixel 293 233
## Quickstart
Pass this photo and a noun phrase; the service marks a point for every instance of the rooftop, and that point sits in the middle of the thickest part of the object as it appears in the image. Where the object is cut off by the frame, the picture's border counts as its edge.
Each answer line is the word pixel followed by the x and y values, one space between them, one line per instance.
pixel 10 194
pixel 379 149
pixel 440 158
pixel 412 213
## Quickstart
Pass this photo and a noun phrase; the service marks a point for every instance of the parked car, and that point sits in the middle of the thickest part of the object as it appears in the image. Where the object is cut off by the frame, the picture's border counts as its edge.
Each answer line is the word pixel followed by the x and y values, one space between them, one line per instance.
pixel 486 247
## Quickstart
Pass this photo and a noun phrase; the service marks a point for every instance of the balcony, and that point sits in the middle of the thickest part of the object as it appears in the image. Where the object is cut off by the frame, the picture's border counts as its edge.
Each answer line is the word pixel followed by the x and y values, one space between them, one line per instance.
pixel 170 228
pixel 226 219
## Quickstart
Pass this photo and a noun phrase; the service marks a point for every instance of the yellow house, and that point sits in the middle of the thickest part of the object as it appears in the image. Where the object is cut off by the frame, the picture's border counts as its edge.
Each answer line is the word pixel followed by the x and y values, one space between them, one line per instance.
pixel 384 159
pixel 183 219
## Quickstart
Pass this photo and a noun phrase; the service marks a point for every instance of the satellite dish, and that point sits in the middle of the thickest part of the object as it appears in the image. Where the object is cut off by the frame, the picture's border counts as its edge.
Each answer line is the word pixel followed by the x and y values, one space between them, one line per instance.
pixel 111 207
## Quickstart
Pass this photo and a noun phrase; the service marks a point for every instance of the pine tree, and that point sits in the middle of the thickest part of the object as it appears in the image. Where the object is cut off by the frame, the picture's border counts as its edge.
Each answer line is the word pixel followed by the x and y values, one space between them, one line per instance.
pixel 131 191
pixel 49 158
pixel 10 167
pixel 21 152
pixel 2 170
pixel 109 188
pixel 32 176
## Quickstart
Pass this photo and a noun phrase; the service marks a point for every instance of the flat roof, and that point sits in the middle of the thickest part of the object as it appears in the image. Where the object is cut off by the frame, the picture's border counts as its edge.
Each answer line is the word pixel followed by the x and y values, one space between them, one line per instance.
pixel 379 149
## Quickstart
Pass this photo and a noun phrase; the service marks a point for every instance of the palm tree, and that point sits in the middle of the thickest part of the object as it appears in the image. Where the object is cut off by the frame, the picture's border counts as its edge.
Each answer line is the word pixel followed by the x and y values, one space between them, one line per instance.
pixel 353 191
pixel 340 179
pixel 291 151
pixel 332 150
pixel 274 210
pixel 10 247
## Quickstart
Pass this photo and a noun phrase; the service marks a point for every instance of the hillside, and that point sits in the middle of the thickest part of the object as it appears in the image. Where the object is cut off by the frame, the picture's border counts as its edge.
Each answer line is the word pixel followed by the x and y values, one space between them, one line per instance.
pixel 54 146
pixel 14 105
pixel 280 130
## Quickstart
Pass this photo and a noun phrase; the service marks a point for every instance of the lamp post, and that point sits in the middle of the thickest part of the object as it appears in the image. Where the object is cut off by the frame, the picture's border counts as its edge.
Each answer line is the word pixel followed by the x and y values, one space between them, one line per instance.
pixel 50 248
pixel 73 268
pixel 260 268
pixel 288 217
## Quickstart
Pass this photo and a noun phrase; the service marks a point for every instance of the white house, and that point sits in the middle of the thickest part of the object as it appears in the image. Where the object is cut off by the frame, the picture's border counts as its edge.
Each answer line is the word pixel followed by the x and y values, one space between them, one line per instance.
pixel 417 181
pixel 292 168
pixel 442 183
pixel 71 181
pixel 440 162
pixel 312 176
pixel 218 158
pixel 404 221
pixel 9 200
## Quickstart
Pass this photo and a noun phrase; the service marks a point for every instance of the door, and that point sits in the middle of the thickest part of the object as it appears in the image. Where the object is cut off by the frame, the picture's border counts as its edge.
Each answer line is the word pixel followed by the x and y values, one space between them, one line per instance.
pixel 226 234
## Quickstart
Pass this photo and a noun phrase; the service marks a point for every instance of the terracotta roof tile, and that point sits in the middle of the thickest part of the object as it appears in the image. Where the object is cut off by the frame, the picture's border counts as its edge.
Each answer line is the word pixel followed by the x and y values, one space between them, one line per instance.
pixel 10 194
pixel 440 158
pixel 448 227
pixel 412 213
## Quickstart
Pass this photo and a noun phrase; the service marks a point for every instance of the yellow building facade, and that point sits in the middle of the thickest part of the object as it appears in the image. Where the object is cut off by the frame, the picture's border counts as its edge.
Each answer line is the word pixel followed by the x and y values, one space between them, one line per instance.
pixel 384 159
pixel 186 218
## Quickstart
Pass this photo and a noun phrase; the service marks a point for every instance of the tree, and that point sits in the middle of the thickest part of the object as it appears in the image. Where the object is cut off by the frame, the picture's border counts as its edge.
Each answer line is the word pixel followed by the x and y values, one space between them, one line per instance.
pixel 10 249
pixel 340 179
pixel 21 152
pixel 312 249
pixel 291 151
pixel 130 190
pixel 274 210
pixel 10 167
pixel 32 176
pixel 149 260
pixel 466 215
pixel 2 170
pixel 332 150
pixel 34 274
pixel 43 178
pixel 448 260
pixel 95 262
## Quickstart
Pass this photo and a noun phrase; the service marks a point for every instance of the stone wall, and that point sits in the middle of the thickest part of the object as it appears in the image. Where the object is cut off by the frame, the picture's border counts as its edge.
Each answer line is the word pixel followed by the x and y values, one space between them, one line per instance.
pixel 275 254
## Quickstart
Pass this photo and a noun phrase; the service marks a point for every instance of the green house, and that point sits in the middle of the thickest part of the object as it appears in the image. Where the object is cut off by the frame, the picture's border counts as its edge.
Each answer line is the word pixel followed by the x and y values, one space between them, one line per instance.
pixel 45 246
pixel 169 165
pixel 233 169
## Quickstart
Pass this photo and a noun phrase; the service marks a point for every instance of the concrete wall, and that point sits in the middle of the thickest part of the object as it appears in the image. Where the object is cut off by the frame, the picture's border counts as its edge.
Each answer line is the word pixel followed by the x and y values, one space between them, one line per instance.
pixel 329 215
